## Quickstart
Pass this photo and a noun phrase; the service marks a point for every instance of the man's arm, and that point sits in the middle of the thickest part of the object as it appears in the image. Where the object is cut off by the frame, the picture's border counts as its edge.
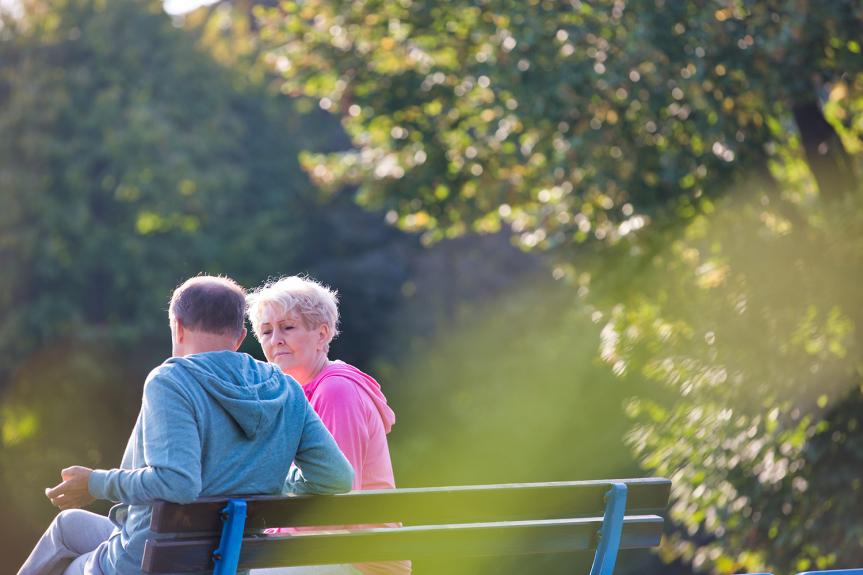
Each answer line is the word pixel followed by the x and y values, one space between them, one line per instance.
pixel 324 468
pixel 172 457
pixel 172 452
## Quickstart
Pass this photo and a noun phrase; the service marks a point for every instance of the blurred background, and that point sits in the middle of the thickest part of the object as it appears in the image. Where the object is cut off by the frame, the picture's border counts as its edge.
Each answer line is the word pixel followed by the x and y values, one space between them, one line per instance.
pixel 573 240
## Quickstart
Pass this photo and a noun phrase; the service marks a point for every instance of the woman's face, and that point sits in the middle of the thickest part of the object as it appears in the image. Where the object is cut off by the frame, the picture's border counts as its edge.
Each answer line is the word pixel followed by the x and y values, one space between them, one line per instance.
pixel 288 343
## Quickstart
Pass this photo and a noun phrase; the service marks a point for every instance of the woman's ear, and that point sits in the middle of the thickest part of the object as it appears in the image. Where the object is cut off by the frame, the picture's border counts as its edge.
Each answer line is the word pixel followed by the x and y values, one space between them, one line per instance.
pixel 323 336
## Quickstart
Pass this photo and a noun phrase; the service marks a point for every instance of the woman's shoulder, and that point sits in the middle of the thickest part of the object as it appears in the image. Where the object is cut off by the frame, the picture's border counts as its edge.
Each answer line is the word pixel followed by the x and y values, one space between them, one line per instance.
pixel 336 381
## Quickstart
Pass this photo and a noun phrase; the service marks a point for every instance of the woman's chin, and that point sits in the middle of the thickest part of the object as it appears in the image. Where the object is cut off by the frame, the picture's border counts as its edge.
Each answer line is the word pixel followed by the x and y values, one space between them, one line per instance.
pixel 284 364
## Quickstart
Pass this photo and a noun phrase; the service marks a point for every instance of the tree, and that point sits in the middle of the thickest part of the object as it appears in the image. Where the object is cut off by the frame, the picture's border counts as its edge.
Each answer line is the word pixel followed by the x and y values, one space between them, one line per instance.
pixel 630 123
pixel 149 144
pixel 562 119
pixel 746 327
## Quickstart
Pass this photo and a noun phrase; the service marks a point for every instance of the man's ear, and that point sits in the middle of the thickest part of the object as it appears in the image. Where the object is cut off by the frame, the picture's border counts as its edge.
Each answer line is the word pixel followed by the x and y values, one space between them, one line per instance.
pixel 180 330
pixel 240 338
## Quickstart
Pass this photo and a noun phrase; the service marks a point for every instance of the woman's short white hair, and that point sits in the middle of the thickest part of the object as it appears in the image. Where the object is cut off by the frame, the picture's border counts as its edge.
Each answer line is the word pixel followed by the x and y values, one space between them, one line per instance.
pixel 312 301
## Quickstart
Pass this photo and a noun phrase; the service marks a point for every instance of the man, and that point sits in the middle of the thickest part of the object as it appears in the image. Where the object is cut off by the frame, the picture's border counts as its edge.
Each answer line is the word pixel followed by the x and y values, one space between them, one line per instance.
pixel 212 422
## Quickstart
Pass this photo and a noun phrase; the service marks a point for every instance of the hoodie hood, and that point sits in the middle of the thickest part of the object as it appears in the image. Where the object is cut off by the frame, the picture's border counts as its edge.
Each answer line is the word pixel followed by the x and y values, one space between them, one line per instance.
pixel 363 380
pixel 253 393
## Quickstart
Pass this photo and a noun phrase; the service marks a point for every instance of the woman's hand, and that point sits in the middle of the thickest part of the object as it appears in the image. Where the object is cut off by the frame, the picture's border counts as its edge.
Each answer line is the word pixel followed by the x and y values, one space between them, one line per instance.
pixel 73 492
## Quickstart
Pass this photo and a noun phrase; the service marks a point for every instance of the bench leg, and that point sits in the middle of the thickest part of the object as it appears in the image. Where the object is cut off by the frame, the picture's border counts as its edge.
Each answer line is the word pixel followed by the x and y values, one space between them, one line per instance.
pixel 227 556
pixel 609 535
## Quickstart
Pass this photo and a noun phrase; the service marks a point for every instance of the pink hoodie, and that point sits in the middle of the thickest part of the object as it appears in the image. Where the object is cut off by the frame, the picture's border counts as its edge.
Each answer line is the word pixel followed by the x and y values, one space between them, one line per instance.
pixel 353 408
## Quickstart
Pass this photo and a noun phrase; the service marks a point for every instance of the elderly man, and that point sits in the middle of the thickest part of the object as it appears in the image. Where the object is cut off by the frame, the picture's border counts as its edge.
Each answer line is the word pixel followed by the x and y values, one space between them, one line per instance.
pixel 212 422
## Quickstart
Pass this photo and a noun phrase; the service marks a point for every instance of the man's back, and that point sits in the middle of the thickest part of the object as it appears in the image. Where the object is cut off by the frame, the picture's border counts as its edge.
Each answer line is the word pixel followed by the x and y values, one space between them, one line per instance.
pixel 217 423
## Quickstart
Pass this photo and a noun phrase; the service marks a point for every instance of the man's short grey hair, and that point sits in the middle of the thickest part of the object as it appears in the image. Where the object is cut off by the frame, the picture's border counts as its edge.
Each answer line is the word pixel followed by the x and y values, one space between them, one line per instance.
pixel 212 304
pixel 312 301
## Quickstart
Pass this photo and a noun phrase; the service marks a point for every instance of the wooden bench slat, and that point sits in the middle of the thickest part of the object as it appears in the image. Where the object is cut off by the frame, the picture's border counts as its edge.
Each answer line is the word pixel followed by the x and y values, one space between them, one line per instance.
pixel 438 505
pixel 453 541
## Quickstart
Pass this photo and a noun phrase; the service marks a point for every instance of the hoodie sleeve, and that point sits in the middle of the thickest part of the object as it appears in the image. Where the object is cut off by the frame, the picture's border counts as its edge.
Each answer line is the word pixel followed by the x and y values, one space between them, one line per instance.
pixel 338 403
pixel 172 452
pixel 323 467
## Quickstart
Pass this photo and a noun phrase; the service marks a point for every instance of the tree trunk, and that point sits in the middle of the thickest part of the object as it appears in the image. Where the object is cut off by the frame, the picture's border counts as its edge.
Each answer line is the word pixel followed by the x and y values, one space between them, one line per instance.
pixel 827 158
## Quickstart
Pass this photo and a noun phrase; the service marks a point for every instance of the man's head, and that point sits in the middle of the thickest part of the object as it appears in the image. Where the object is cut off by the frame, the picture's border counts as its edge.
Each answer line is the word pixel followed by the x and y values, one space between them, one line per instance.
pixel 207 314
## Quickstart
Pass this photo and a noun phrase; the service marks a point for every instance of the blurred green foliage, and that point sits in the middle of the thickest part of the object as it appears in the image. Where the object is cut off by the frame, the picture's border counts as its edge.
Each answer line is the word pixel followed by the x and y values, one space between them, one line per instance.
pixel 127 166
pixel 511 391
pixel 566 120
pixel 748 325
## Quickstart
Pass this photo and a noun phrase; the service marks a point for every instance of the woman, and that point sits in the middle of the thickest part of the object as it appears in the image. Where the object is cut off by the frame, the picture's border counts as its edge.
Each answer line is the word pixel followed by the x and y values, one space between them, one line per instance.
pixel 295 319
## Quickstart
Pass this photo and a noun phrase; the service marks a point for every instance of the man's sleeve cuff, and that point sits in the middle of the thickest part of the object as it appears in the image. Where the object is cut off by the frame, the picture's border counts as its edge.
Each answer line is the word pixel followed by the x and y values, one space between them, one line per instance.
pixel 96 484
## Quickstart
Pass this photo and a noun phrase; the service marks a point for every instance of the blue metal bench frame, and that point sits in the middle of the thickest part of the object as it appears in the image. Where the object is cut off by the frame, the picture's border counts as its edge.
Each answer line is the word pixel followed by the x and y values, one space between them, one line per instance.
pixel 227 555
pixel 609 535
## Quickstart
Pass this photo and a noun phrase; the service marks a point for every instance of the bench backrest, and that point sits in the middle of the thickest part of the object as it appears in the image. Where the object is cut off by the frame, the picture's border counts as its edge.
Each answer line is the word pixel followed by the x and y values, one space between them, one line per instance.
pixel 438 522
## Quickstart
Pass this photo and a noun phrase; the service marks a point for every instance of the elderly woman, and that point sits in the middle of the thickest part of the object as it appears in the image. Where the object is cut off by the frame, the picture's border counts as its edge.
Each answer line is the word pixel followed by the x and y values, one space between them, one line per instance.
pixel 295 319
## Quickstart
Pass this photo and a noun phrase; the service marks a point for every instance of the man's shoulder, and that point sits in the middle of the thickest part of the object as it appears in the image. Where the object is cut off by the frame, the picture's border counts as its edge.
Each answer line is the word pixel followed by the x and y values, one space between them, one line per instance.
pixel 165 370
pixel 167 375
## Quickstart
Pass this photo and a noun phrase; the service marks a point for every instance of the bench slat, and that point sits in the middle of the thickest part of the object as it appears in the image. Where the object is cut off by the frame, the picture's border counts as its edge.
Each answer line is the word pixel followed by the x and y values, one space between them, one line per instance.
pixel 452 541
pixel 424 506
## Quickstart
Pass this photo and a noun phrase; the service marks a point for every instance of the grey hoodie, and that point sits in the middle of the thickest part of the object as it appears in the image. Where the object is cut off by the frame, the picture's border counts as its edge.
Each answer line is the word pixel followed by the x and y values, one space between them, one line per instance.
pixel 213 424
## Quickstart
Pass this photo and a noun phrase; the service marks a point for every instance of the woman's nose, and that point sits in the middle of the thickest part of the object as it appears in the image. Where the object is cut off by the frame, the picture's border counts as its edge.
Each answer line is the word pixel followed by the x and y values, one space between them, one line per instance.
pixel 276 338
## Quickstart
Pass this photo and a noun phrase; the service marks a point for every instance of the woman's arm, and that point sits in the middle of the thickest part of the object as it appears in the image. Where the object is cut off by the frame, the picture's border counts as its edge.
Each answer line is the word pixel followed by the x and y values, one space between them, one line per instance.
pixel 340 406
pixel 323 467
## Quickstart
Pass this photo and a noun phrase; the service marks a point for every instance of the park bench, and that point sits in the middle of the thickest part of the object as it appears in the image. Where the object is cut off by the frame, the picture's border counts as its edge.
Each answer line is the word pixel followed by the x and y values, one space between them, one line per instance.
pixel 223 535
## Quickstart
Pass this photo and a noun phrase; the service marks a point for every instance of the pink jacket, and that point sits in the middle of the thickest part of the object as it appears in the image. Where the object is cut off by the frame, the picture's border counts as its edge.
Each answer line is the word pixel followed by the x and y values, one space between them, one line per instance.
pixel 353 408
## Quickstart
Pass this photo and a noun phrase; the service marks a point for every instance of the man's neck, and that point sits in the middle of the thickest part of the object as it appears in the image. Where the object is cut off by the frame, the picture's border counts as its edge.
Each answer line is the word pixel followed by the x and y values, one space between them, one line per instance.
pixel 203 342
pixel 203 349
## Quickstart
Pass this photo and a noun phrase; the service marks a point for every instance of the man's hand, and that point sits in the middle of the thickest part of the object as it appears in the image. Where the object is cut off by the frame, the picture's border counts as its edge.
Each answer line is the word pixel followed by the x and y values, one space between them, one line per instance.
pixel 72 493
